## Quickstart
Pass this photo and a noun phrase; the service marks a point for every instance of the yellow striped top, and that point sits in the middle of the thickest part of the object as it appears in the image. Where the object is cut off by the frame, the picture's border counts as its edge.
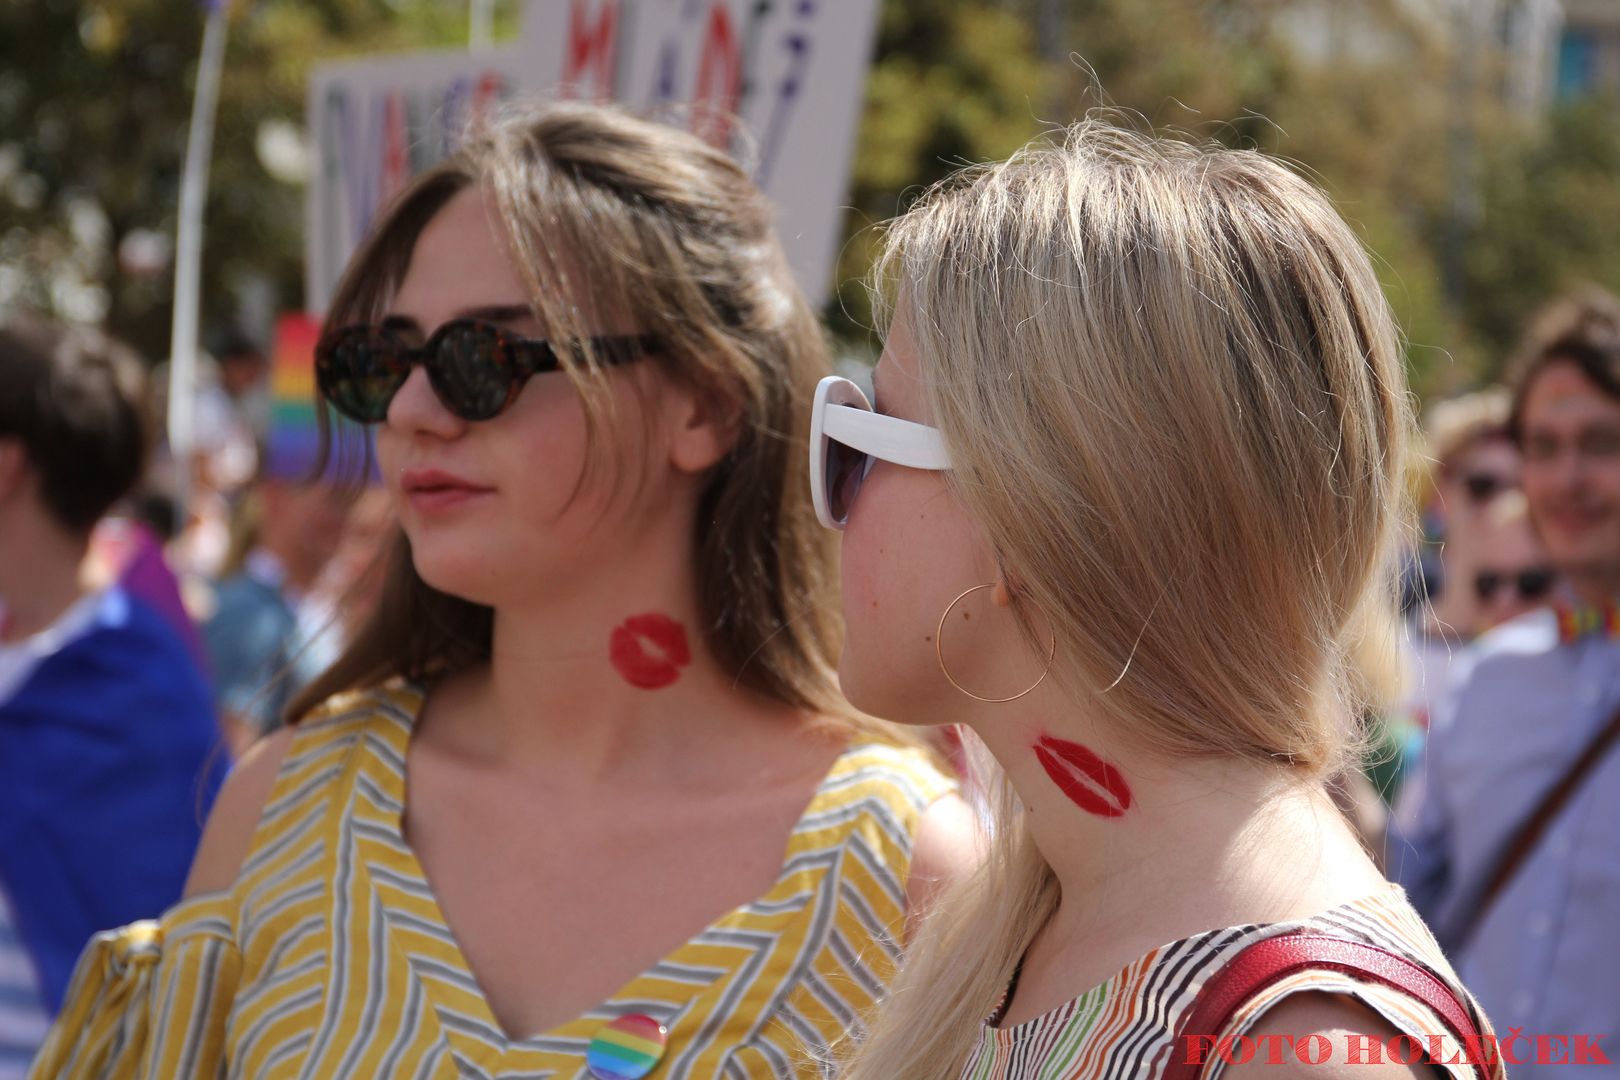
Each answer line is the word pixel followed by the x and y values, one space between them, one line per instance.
pixel 329 956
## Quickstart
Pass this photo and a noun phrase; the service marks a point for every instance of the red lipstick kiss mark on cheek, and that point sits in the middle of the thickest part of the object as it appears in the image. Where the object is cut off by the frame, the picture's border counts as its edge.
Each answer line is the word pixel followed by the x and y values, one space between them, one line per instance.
pixel 1091 783
pixel 649 650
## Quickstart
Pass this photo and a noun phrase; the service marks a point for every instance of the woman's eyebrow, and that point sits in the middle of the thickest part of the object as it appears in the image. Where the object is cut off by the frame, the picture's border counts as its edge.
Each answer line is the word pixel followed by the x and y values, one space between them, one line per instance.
pixel 498 313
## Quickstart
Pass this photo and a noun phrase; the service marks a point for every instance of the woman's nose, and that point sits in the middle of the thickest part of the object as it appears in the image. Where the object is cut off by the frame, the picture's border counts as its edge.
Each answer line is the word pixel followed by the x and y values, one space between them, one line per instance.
pixel 416 409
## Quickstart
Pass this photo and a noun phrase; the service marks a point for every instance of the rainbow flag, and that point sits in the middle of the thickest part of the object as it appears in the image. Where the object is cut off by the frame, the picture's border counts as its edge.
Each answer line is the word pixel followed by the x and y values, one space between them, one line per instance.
pixel 294 441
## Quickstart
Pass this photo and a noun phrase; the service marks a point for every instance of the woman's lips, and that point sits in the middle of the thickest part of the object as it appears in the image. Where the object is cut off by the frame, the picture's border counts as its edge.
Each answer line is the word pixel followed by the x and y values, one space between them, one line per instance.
pixel 433 491
pixel 654 668
pixel 1091 783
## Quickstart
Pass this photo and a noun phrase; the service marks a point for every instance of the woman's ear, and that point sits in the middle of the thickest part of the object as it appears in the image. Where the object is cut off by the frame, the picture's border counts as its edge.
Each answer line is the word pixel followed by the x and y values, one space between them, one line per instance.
pixel 702 428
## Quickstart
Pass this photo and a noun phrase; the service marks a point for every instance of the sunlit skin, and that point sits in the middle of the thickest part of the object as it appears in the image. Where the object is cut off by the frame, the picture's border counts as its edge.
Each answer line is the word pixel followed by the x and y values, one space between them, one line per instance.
pixel 1570 437
pixel 1123 828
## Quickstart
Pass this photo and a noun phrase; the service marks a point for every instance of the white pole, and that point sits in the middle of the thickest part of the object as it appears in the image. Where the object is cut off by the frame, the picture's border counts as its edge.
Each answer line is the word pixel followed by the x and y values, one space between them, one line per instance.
pixel 188 260
pixel 481 25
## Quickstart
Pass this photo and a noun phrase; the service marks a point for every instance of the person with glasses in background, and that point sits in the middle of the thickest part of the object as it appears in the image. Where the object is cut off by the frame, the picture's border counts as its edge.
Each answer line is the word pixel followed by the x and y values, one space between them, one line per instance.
pixel 1505 836
pixel 1480 562
pixel 1512 574
pixel 1472 463
pixel 582 798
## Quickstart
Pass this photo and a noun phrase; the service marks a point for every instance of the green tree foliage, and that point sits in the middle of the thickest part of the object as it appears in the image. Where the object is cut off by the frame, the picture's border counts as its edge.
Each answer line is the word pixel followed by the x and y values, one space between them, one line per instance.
pixel 95 98
pixel 1435 173
pixel 951 83
pixel 1550 219
pixel 1475 216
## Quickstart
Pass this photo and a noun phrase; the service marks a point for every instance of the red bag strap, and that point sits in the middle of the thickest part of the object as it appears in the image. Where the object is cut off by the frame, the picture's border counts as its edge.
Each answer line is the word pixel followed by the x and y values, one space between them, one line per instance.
pixel 1266 963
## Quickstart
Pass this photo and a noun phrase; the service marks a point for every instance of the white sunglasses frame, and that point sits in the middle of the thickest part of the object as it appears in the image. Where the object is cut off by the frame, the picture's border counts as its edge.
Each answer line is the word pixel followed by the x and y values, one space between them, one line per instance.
pixel 842 413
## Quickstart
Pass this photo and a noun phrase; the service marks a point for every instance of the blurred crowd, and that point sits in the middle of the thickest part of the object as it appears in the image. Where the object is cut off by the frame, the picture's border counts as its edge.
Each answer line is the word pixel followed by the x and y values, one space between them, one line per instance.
pixel 139 653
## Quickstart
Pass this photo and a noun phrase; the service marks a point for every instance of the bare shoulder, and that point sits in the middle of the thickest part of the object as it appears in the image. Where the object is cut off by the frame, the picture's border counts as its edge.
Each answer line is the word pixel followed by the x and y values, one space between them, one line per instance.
pixel 229 832
pixel 1337 1019
pixel 944 851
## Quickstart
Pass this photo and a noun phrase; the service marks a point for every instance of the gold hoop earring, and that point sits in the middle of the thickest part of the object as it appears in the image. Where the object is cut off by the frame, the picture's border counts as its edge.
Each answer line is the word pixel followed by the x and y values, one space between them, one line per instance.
pixel 939 651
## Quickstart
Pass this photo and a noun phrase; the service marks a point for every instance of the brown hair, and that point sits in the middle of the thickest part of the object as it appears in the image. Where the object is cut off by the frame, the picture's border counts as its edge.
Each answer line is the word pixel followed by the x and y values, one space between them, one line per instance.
pixel 661 225
pixel 77 401
pixel 1582 328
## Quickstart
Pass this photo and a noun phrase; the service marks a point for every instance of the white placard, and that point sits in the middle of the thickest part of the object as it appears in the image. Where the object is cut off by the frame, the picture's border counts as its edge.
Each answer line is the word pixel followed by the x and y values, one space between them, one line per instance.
pixel 792 70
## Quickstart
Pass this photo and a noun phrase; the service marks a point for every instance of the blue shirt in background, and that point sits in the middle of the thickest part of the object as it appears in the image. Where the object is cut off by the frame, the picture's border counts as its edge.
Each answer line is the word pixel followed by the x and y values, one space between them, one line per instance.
pixel 110 757
pixel 1546 956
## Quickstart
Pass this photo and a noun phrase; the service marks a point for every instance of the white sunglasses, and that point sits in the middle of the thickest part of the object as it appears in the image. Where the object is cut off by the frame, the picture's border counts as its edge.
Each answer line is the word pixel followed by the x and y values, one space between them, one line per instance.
pixel 847 437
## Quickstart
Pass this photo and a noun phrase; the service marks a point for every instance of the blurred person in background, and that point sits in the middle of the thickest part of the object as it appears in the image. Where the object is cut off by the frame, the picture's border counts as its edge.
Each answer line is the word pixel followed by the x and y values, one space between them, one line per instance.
pixel 233 415
pixel 230 419
pixel 1474 464
pixel 1512 574
pixel 108 744
pixel 1506 839
pixel 264 638
pixel 128 549
pixel 347 592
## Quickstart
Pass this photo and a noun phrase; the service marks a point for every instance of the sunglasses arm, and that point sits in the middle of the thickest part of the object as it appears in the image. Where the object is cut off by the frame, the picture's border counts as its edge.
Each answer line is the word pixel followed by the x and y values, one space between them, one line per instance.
pixel 890 438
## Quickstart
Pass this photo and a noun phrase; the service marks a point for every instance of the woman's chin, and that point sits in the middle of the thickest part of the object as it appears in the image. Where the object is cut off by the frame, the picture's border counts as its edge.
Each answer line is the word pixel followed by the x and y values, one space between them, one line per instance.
pixel 877 693
pixel 461 574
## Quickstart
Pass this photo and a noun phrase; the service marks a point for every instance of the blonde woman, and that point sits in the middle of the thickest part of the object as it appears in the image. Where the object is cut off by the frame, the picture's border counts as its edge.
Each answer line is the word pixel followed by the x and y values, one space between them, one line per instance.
pixel 581 799
pixel 1137 432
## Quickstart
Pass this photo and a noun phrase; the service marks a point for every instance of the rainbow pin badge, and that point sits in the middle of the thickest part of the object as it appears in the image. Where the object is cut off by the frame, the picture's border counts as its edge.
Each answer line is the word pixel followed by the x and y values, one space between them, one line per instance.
pixel 627 1049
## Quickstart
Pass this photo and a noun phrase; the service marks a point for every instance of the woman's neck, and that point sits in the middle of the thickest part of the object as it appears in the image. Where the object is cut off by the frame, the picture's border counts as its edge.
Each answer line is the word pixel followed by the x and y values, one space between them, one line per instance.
pixel 45 575
pixel 1203 842
pixel 611 675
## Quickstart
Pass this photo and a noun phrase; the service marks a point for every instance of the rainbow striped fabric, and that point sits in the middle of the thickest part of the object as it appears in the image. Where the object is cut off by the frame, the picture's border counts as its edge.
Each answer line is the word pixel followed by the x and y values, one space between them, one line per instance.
pixel 1125 1028
pixel 330 957
pixel 1575 623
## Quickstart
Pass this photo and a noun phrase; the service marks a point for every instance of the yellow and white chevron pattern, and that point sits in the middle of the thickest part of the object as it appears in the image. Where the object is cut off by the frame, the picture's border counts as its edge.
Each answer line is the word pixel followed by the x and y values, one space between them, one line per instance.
pixel 330 957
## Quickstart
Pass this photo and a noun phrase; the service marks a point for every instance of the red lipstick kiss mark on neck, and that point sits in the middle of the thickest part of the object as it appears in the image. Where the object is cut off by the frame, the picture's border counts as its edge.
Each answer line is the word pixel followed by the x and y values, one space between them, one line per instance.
pixel 1091 783
pixel 649 650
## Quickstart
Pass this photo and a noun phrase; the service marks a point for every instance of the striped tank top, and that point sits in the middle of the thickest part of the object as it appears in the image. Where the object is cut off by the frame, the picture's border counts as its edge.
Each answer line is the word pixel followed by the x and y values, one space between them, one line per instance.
pixel 329 956
pixel 1125 1029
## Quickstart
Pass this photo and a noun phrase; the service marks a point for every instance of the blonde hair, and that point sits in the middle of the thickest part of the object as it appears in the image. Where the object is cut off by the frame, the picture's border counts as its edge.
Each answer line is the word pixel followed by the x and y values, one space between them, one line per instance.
pixel 611 216
pixel 1457 425
pixel 1174 398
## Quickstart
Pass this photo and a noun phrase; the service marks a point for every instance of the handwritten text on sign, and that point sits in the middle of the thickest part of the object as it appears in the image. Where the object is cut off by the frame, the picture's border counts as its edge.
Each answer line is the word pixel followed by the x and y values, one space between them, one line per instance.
pixel 792 71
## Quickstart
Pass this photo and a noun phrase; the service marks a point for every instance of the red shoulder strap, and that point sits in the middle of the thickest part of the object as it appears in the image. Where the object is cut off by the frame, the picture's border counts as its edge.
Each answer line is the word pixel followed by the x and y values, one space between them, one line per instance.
pixel 1266 963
